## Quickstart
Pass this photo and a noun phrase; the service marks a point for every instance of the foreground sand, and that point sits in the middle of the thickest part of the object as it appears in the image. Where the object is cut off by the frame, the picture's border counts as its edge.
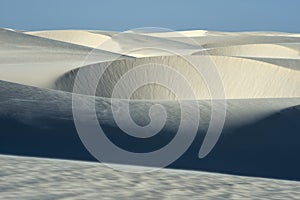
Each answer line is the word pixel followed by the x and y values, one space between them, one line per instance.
pixel 37 178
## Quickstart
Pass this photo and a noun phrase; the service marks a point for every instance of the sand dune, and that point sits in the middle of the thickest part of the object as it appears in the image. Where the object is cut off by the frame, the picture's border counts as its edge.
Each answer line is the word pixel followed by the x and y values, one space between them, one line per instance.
pixel 69 57
pixel 242 68
pixel 84 38
pixel 244 43
pixel 249 79
pixel 223 41
pixel 39 61
pixel 259 71
pixel 172 34
pixel 256 50
pixel 294 45
pixel 293 64
pixel 128 43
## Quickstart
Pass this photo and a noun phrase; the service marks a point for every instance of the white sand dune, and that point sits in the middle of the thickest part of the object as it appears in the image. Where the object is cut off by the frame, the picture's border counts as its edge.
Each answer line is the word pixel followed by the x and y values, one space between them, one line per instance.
pixel 46 63
pixel 84 38
pixel 249 79
pixel 39 61
pixel 293 64
pixel 141 45
pixel 214 41
pixel 294 45
pixel 107 33
pixel 172 34
pixel 256 50
pixel 253 33
pixel 259 71
pixel 234 42
pixel 123 42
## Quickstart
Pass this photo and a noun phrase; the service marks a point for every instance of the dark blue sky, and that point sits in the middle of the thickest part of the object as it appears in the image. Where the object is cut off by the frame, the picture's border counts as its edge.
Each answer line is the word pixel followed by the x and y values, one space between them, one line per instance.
pixel 222 15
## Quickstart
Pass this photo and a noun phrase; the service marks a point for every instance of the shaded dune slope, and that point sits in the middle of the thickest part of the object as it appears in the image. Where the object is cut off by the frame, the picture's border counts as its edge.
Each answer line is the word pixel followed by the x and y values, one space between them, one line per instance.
pixel 261 140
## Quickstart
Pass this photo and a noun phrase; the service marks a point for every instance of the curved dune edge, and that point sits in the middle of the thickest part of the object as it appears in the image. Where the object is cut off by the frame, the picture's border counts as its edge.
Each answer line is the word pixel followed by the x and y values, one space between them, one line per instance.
pixel 249 79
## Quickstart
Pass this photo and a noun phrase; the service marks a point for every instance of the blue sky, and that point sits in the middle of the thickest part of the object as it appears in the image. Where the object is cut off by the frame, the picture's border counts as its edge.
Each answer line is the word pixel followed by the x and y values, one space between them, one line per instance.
pixel 221 15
